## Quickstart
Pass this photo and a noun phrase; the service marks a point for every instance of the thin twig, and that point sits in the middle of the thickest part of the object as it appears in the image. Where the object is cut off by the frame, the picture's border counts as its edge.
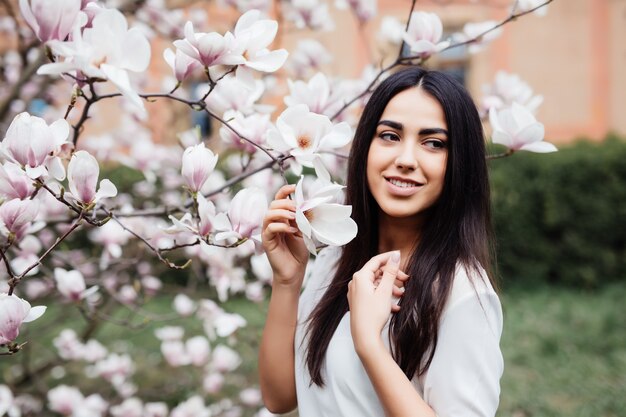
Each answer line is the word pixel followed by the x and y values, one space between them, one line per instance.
pixel 13 282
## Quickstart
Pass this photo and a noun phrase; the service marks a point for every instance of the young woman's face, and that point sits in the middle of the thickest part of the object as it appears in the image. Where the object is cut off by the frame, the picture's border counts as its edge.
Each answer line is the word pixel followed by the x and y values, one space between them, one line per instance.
pixel 406 163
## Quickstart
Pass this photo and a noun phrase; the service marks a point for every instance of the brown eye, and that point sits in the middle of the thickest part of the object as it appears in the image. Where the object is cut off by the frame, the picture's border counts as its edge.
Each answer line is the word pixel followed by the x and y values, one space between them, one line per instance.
pixel 389 136
pixel 435 144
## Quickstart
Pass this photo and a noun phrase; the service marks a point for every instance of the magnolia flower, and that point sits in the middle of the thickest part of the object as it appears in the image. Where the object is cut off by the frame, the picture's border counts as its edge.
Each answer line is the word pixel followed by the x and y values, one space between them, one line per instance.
pixel 34 145
pixel 250 397
pixel 198 164
pixel 309 55
pixel 245 216
pixel 106 50
pixel 526 5
pixel 517 129
pixel 245 5
pixel 209 48
pixel 363 9
pixel 318 219
pixel 182 64
pixel 82 175
pixel 65 400
pixel 312 14
pixel 508 89
pixel 52 20
pixel 14 182
pixel 174 353
pixel 253 127
pixel 198 350
pixel 16 216
pixel 226 324
pixel 253 36
pixel 194 406
pixel 213 383
pixel 13 312
pixel 27 255
pixel 71 284
pixel 8 404
pixel 169 333
pixel 184 305
pixel 231 94
pixel 424 34
pixel 316 94
pixel 303 134
pixel 155 409
pixel 391 30
pixel 202 227
pixel 115 368
pixel 475 31
pixel 224 359
pixel 130 407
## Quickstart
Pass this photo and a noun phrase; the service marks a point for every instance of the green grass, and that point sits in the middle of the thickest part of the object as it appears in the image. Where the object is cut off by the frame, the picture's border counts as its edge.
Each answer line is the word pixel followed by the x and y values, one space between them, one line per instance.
pixel 564 351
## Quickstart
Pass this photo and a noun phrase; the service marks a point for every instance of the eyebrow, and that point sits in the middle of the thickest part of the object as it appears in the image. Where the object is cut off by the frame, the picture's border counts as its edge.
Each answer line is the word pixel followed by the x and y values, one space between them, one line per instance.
pixel 425 131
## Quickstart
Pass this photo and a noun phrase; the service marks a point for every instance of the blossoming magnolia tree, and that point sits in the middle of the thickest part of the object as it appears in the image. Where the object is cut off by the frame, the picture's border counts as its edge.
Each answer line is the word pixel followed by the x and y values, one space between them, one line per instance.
pixel 73 240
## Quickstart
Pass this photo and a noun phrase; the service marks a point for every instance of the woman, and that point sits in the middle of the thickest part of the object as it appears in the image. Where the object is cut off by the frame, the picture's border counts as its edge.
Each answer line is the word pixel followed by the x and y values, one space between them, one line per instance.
pixel 346 346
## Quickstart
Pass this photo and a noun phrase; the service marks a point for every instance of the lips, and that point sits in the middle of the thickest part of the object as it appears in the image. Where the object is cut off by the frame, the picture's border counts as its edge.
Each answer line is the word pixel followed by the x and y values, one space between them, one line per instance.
pixel 402 182
pixel 402 187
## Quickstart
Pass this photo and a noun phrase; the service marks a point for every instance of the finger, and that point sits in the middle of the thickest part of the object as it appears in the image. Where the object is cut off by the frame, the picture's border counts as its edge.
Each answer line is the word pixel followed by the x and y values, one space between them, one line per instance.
pixel 395 308
pixel 399 283
pixel 273 229
pixel 377 262
pixel 284 191
pixel 391 271
pixel 283 204
pixel 398 291
pixel 279 215
pixel 402 276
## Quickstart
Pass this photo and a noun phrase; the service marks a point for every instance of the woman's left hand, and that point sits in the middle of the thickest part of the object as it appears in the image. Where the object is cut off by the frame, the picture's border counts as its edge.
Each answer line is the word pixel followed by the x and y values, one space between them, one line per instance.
pixel 371 304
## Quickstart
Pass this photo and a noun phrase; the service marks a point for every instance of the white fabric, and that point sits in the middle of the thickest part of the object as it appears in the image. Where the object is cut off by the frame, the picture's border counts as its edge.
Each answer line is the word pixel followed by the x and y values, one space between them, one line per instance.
pixel 462 380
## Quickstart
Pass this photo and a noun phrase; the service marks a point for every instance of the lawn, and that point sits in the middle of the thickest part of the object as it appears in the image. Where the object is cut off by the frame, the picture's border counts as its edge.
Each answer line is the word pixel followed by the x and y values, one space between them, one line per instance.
pixel 564 350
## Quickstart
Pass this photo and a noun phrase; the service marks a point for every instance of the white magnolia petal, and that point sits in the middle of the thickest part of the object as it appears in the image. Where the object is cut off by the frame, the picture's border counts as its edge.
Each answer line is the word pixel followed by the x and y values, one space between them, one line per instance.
pixel 55 168
pixel 245 76
pixel 107 189
pixel 119 77
pixel 339 136
pixel 303 223
pixel 310 245
pixel 530 134
pixel 539 147
pixel 320 170
pixel 335 232
pixel 34 313
pixel 502 138
pixel 268 61
pixel 136 51
pixel 186 48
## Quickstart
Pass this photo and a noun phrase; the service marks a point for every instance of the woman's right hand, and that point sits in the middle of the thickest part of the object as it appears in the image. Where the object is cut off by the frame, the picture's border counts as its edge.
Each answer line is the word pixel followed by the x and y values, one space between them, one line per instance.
pixel 283 241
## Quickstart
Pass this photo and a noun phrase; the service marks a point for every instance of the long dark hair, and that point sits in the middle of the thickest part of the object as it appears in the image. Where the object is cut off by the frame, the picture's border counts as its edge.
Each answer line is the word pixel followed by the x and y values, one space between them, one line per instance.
pixel 457 232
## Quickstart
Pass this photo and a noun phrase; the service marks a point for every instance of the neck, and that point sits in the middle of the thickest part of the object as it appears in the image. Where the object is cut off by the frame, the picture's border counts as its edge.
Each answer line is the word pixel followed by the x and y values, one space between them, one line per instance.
pixel 398 234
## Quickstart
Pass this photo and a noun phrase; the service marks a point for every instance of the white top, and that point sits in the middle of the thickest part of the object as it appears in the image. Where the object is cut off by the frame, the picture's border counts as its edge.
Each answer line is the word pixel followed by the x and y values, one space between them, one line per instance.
pixel 463 378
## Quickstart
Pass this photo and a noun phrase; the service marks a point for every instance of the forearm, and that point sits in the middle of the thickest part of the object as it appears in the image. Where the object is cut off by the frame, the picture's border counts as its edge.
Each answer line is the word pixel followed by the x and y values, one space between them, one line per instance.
pixel 395 391
pixel 276 354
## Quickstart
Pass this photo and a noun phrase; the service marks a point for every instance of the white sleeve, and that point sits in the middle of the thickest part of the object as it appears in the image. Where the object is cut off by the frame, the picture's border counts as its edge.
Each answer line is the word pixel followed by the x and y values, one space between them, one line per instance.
pixel 464 376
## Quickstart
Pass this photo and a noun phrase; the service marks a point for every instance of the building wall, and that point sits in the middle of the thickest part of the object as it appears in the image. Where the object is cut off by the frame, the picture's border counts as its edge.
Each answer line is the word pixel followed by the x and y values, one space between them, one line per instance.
pixel 575 56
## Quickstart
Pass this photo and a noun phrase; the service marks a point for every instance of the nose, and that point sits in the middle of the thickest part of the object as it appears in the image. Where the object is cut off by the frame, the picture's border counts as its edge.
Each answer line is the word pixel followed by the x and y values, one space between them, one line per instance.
pixel 406 158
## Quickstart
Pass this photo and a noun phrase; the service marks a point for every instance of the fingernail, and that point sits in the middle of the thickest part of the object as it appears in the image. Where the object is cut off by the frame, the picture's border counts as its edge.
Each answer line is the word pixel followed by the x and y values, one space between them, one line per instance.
pixel 395 256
